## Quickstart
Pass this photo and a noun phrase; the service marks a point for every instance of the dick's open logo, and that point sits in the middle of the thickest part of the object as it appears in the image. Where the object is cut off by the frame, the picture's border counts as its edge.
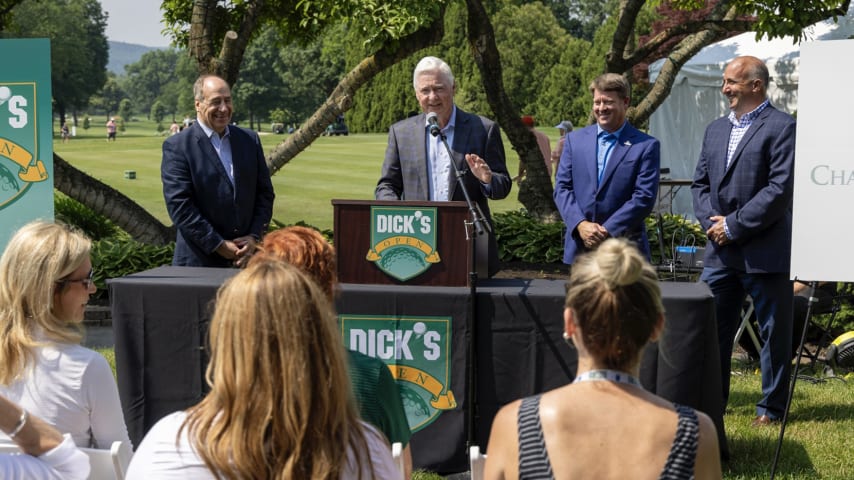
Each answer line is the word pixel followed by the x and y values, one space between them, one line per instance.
pixel 20 165
pixel 404 240
pixel 417 350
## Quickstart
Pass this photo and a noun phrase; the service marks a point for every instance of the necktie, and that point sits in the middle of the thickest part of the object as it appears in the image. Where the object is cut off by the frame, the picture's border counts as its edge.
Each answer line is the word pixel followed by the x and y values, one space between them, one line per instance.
pixel 606 143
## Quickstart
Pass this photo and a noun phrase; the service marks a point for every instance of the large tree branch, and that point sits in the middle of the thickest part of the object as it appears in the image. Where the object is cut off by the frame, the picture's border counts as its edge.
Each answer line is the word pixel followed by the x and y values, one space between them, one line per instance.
pixel 341 98
pixel 685 49
pixel 234 46
pixel 622 35
pixel 654 43
pixel 109 202
pixel 536 192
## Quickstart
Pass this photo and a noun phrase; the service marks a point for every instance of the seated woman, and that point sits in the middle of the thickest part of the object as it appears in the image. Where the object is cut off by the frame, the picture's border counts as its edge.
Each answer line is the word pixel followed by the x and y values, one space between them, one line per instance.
pixel 373 385
pixel 604 425
pixel 280 404
pixel 45 283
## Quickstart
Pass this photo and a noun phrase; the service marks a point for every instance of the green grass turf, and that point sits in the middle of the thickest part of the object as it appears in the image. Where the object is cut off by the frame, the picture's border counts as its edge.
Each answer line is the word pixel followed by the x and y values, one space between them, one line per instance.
pixel 331 168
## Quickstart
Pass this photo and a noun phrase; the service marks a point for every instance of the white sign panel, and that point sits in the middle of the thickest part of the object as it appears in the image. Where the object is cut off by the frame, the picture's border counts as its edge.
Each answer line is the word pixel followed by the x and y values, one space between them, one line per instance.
pixel 823 222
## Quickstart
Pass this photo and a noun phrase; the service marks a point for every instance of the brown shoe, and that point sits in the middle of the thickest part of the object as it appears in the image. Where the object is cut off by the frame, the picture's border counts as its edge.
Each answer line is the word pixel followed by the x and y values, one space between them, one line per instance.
pixel 763 421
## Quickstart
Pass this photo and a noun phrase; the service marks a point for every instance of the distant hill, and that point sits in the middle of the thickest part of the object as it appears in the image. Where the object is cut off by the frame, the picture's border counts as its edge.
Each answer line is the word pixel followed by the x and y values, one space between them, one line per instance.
pixel 122 54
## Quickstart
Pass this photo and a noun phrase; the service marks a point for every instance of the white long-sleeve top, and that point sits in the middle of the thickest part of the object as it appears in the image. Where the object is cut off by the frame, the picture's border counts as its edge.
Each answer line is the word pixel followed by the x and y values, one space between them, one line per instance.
pixel 73 389
pixel 63 462
pixel 157 457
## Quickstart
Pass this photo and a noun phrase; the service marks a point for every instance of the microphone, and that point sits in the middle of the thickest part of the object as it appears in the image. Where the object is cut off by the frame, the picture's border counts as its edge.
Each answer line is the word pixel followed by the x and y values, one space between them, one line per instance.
pixel 433 121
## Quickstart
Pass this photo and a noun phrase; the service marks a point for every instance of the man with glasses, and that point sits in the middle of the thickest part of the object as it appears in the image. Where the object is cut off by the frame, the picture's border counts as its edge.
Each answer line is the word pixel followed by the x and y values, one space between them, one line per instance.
pixel 216 183
pixel 743 199
pixel 607 177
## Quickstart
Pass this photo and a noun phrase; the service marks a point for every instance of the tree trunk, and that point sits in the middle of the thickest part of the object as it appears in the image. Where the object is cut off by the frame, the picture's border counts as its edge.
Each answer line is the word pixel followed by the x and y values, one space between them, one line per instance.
pixel 109 202
pixel 536 192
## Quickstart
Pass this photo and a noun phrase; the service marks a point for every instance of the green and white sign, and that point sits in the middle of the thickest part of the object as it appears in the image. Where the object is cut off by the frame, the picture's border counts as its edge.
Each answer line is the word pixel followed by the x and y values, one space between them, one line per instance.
pixel 403 240
pixel 26 139
pixel 418 352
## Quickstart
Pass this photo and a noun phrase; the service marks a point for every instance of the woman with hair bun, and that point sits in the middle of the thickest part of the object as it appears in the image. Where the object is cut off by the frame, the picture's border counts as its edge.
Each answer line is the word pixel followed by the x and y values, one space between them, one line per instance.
pixel 604 425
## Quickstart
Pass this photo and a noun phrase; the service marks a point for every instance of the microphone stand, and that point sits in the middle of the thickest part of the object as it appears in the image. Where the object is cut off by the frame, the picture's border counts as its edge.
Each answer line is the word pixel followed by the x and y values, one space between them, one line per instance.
pixel 480 225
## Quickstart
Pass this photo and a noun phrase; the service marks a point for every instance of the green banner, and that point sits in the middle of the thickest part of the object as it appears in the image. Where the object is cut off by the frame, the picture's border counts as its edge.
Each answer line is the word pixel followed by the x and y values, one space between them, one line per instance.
pixel 417 350
pixel 26 135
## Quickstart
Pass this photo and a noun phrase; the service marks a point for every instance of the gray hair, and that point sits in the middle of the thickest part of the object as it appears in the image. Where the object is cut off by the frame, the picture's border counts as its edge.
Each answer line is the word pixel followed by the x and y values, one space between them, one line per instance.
pixel 432 64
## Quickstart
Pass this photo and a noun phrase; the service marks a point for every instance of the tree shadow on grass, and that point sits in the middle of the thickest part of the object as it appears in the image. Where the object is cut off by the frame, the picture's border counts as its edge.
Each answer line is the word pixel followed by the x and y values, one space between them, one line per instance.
pixel 752 457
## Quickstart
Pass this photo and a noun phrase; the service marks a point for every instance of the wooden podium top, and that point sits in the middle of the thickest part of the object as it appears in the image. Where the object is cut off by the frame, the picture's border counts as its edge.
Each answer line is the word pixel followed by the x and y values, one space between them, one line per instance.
pixel 359 250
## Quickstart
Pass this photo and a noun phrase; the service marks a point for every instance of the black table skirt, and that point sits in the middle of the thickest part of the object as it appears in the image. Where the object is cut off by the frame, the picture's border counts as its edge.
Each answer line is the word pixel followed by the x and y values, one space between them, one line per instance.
pixel 161 316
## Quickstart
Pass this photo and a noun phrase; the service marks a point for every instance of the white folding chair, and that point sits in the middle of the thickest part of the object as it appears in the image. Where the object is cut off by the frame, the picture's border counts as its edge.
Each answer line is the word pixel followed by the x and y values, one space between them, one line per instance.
pixel 746 326
pixel 109 464
pixel 477 462
pixel 397 455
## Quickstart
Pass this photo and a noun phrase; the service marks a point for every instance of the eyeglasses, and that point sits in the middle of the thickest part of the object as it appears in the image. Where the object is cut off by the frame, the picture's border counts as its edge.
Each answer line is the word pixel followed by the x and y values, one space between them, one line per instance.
pixel 86 282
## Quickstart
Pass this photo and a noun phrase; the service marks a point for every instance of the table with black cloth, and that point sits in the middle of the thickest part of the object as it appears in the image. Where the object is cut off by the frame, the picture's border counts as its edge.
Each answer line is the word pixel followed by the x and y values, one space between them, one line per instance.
pixel 161 317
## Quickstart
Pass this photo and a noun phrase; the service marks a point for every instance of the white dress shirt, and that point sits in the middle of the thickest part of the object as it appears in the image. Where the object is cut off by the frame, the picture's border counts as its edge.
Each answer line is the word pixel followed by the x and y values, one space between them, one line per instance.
pixel 63 462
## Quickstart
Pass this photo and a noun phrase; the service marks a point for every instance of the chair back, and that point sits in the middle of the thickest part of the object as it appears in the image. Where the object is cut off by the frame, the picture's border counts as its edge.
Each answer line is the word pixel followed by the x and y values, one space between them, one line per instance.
pixel 397 455
pixel 9 448
pixel 477 462
pixel 109 464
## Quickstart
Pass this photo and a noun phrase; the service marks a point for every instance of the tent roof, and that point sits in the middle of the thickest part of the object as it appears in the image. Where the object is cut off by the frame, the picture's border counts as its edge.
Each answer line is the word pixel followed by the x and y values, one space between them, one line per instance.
pixel 781 55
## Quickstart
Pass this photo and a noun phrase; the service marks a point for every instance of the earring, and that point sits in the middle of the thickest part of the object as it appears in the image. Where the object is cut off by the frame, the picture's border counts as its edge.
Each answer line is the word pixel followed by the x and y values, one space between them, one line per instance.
pixel 568 339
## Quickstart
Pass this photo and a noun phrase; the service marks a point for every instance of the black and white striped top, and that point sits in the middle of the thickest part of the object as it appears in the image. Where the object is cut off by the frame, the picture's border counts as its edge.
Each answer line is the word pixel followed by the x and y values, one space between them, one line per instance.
pixel 534 461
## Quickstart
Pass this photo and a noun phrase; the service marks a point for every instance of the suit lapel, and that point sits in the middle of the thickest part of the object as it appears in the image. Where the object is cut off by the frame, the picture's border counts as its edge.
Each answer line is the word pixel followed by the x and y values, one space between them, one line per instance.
pixel 617 154
pixel 419 188
pixel 461 136
pixel 754 127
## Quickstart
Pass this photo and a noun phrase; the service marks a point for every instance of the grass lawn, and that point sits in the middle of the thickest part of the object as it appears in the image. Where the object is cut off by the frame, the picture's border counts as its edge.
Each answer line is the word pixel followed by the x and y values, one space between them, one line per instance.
pixel 331 168
pixel 818 441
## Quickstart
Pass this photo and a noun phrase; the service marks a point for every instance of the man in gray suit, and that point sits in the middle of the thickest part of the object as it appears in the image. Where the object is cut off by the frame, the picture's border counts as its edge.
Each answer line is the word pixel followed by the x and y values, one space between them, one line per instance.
pixel 418 167
pixel 743 198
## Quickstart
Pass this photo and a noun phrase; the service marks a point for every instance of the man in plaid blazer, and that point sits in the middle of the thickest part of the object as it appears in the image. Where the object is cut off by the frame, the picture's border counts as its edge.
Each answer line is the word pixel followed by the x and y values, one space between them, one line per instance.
pixel 742 193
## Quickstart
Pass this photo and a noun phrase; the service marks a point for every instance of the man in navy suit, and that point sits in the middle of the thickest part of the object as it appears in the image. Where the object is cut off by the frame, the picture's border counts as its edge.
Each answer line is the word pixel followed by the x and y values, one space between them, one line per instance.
pixel 417 166
pixel 743 199
pixel 216 183
pixel 607 178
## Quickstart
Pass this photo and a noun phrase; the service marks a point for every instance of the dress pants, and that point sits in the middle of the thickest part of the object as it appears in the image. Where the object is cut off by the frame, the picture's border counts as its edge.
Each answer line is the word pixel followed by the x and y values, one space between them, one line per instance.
pixel 772 301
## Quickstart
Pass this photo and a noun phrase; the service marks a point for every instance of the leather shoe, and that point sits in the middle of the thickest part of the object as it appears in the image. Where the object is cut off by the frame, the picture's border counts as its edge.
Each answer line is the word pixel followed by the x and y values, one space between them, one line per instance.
pixel 763 421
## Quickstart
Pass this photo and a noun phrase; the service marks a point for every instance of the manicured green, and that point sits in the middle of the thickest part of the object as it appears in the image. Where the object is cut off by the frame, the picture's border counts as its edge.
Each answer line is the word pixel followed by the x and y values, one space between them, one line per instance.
pixel 331 168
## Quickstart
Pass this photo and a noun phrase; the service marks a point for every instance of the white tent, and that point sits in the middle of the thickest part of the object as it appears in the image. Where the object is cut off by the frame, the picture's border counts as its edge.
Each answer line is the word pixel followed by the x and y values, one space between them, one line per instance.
pixel 696 100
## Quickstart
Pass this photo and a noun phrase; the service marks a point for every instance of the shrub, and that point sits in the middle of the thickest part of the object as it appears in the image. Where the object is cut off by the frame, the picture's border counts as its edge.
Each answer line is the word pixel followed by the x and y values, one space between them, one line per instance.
pixel 71 212
pixel 120 256
pixel 524 238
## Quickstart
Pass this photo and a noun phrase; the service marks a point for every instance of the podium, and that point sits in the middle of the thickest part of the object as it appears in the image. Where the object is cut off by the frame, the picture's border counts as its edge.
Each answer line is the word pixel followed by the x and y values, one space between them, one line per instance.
pixel 353 224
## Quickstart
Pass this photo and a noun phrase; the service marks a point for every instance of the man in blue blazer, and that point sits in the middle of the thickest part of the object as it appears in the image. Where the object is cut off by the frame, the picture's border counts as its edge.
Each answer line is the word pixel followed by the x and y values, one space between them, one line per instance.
pixel 417 166
pixel 743 199
pixel 607 178
pixel 216 183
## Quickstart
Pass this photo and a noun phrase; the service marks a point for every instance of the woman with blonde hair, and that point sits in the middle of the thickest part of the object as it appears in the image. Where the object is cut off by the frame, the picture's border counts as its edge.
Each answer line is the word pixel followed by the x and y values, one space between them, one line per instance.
pixel 604 425
pixel 45 283
pixel 280 405
pixel 374 387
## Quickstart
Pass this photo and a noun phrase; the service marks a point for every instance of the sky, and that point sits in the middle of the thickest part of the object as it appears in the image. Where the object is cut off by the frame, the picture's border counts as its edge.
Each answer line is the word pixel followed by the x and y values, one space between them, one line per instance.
pixel 135 21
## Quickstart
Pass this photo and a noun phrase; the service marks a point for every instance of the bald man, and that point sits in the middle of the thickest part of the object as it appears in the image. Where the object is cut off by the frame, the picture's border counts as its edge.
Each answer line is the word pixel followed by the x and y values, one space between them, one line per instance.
pixel 742 193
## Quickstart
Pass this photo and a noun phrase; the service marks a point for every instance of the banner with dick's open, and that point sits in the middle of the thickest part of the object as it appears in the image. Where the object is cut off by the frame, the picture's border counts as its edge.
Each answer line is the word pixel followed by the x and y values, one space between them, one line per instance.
pixel 418 352
pixel 26 136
